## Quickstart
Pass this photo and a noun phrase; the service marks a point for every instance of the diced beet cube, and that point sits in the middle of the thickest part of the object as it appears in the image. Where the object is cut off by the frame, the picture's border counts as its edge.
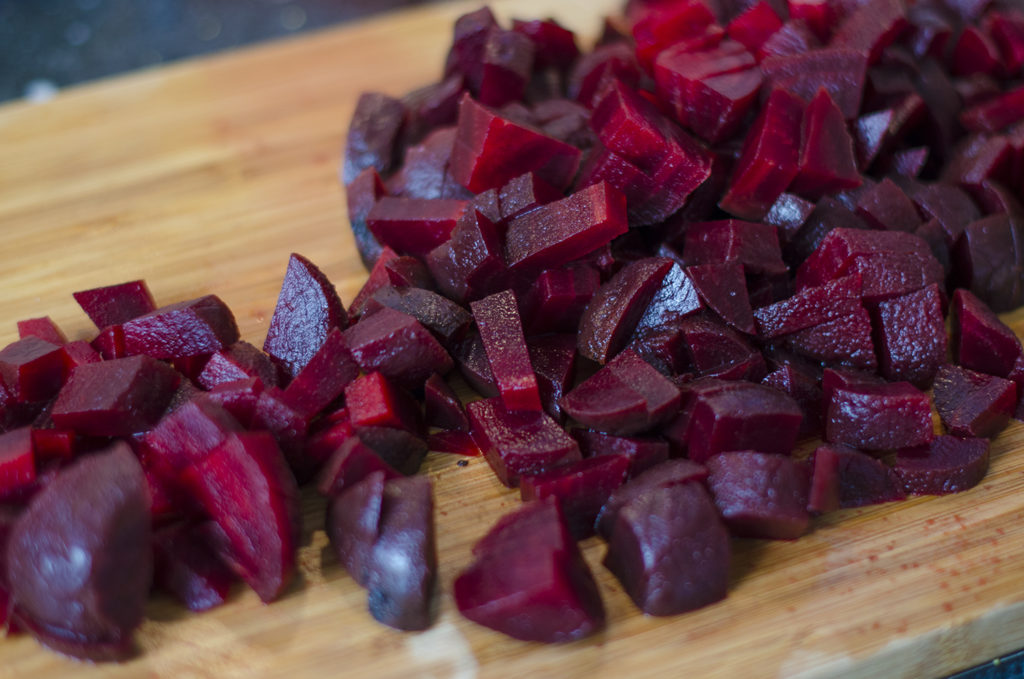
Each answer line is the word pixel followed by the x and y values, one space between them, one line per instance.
pixel 504 69
pixel 43 328
pixel 826 163
pixel 980 341
pixel 238 398
pixel 78 353
pixel 754 26
pixel 199 326
pixel 187 435
pixel 642 453
pixel 474 368
pixel 442 405
pixel 911 336
pixel 841 71
pixel 728 416
pixel 398 346
pixel 17 462
pixel 308 308
pixel 973 404
pixel 353 524
pixel 360 196
pixel 988 259
pixel 755 246
pixel 559 232
pixel 239 361
pixel 373 134
pixel 760 495
pixel 975 52
pixel 861 479
pixel 524 193
pixel 521 442
pixel 711 347
pixel 32 369
pixel 425 170
pixel 809 307
pixel 115 398
pixel 841 248
pixel 472 263
pixel 950 205
pixel 555 46
pixel 408 271
pixel 798 380
pixel 554 363
pixel 657 26
pixel 447 320
pixel 324 377
pixel 557 298
pixel 351 462
pixel 187 568
pixel 470 33
pixel 872 27
pixel 453 442
pixel 675 300
pixel 52 444
pixel 490 150
pixel 794 37
pixel 818 15
pixel 115 304
pixel 948 465
pixel 501 330
pixel 581 488
pixel 887 207
pixel 879 417
pixel 378 279
pixel 723 288
pixel 618 305
pixel 372 401
pixel 289 426
pixel 247 489
pixel 844 341
pixel 414 226
pixel 1007 29
pixel 610 62
pixel 669 549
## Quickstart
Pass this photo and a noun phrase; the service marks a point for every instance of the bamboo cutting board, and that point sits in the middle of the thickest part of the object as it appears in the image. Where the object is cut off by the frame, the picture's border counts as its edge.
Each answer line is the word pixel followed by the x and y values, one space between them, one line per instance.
pixel 202 178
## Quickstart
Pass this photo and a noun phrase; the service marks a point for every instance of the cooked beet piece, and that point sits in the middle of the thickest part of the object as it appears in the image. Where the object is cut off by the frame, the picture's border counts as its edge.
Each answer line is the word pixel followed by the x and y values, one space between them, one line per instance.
pixel 554 363
pixel 843 341
pixel 474 368
pixel 618 305
pixel 308 308
pixel 980 341
pixel 115 304
pixel 501 330
pixel 555 46
pixel 798 379
pixel 239 361
pixel 989 259
pixel 238 398
pixel 841 71
pixel 425 170
pixel 360 195
pixel 642 453
pixel 187 568
pixel 559 232
pixel 723 288
pixel 453 442
pixel 626 396
pixel 669 549
pixel 712 348
pixel 581 489
pixel 871 27
pixel 350 463
pixel 470 33
pixel 769 160
pixel 408 272
pixel 826 163
pixel 950 205
pixel 974 52
pixel 861 479
pixel 43 328
pixel 245 486
pixel 657 26
pixel 911 336
pixel 755 246
pixel 398 346
pixel 521 442
pixel 529 580
pixel 79 560
pixel 667 473
pixel 557 298
pixel 447 320
pixel 78 353
pixel 443 407
pixel 472 263
pixel 823 489
pixel 199 326
pixel 809 307
pixel 760 495
pixel 753 26
pixel 948 465
pixel 353 525
pixel 524 193
pixel 324 377
pixel 887 207
pixel 792 38
pixel 373 134
pixel 188 434
pixel 840 249
pixel 818 15
pixel 729 416
pixel 673 301
pixel 879 417
pixel 414 226
pixel 1007 29
pixel 504 69
pixel 378 279
pixel 490 150
pixel 373 401
pixel 32 369
pixel 51 444
pixel 973 404
pixel 121 397
pixel 17 461
pixel 616 61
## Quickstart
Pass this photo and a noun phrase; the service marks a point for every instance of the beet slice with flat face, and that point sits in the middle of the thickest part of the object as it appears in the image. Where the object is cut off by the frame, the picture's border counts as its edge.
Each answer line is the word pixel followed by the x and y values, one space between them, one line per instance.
pixel 838 251
pixel 43 328
pixel 442 406
pixel 581 488
pixel 353 524
pixel 809 307
pixel 32 369
pixel 239 361
pixel 859 479
pixel 187 435
pixel 670 550
pixel 554 363
pixel 799 380
pixel 79 560
pixel 557 298
pixel 472 263
pixel 520 442
pixel 187 568
pixel 980 341
pixel 373 135
pixel 827 163
pixel 973 404
pixel 414 226
pixel 841 71
pixel 887 207
pixel 879 417
pixel 671 472
pixel 379 278
pixel 350 463
pixel 530 581
pixel 501 330
pixel 988 259
pixel 760 495
pixel 115 304
pixel 121 397
pixel 398 346
pixel 191 328
pixel 723 288
pixel 755 246
pixel 844 341
pixel 642 453
pixel 911 336
pixel 373 401
pixel 949 465
pixel 448 321
pixel 308 308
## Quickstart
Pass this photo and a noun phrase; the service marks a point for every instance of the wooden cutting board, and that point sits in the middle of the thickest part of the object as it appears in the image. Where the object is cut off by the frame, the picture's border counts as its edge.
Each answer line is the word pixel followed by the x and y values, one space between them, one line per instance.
pixel 203 176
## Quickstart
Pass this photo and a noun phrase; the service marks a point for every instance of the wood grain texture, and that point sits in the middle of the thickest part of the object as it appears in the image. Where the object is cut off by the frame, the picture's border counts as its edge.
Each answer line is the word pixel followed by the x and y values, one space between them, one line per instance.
pixel 202 177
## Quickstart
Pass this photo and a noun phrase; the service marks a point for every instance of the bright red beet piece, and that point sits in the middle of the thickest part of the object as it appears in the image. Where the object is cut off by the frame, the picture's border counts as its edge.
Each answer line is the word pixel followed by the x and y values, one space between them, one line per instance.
pixel 840 250
pixel 245 486
pixel 860 479
pixel 501 330
pixel 239 361
pixel 398 346
pixel 975 52
pixel 948 465
pixel 755 246
pixel 841 71
pixel 187 568
pixel 17 461
pixel 199 326
pixel 581 488
pixel 373 134
pixel 521 442
pixel 1007 29
pixel 981 341
pixel 238 398
pixel 642 453
pixel 32 369
pixel 524 193
pixel 51 444
pixel 911 336
pixel 43 328
pixel 617 307
pixel 414 226
pixel 723 288
pixel 115 398
pixel 557 298
pixel 372 401
pixel 973 404
pixel 351 462
pixel 879 417
pixel 658 26
pixel 760 495
pixel 453 442
pixel 324 377
pixel 669 549
pixel 92 520
pixel 77 353
pixel 826 163
pixel 810 307
pixel 443 407
pixel 819 15
pixel 115 304
pixel 505 68
pixel 530 581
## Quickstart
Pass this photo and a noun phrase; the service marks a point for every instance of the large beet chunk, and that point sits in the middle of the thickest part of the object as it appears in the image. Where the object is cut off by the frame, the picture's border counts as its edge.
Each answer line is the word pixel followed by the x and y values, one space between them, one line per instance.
pixel 911 336
pixel 398 346
pixel 582 488
pixel 79 560
pixel 973 404
pixel 191 328
pixel 879 416
pixel 948 465
pixel 981 341
pixel 373 135
pixel 529 579
pixel 760 495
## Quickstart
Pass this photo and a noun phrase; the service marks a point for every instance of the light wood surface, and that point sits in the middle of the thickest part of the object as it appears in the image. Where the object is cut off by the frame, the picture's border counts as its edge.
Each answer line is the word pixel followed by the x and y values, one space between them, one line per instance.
pixel 202 177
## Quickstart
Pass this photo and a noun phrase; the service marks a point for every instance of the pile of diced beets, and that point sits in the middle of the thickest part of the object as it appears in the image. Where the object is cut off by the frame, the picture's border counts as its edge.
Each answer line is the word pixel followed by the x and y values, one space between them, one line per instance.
pixel 729 231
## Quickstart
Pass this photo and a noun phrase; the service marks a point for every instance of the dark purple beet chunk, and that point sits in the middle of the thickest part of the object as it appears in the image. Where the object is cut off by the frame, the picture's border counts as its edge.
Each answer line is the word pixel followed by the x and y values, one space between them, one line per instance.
pixel 415 226
pixel 557 298
pixel 290 428
pixel 554 362
pixel 397 345
pixel 887 207
pixel 669 549
pixel 671 472
pixel 79 560
pixel 361 193
pixel 308 308
pixel 839 251
pixel 844 341
pixel 823 491
pixel 760 495
pixel 989 259
pixel 187 568
pixel 474 368
pixel 755 246
pixel 239 361
pixel 673 301
pixel 714 349
pixel 723 288
pixel 443 407
pixel 115 304
pixel 626 396
pixel 199 326
pixel 448 321
pixel 981 341
pixel 121 397
pixel 799 380
pixel 642 453
pixel 323 378
pixel 948 465
pixel 521 442
pixel 373 134
pixel 879 417
pixel 187 435
pixel 810 307
pixel 862 479
pixel 581 488
pixel 353 522
pixel 501 330
pixel 379 278
pixel 973 404
pixel 530 581
pixel 911 336
pixel 32 369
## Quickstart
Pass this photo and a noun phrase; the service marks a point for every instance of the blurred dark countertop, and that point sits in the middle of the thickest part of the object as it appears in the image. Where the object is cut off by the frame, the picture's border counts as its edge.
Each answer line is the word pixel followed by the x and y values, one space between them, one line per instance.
pixel 50 44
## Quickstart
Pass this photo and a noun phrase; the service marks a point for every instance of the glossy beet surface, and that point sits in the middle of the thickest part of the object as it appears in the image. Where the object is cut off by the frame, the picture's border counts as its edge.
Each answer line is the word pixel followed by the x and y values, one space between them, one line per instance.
pixel 879 417
pixel 581 488
pixel 191 328
pixel 114 304
pixel 501 330
pixel 398 346
pixel 948 465
pixel 760 495
pixel 973 404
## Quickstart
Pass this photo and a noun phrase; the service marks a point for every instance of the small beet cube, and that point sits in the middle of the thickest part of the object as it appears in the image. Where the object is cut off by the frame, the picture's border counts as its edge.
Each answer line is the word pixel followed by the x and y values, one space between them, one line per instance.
pixel 723 288
pixel 981 341
pixel 911 335
pixel 839 250
pixel 373 134
pixel 378 279
pixel 121 397
pixel 753 26
pixel 554 362
pixel 755 246
pixel 398 346
pixel 809 307
pixel 841 71
pixel 798 380
pixel 17 461
pixel 879 417
pixel 760 495
pixel 557 298
pixel 351 462
pixel 187 568
pixel 360 196
pixel 442 405
pixel 307 309
pixel 948 465
pixel 501 330
pixel 372 401
pixel 581 488
pixel 524 193
pixel 642 453
pixel 32 369
pixel 504 70
pixel 453 442
pixel 77 353
pixel 861 479
pixel 714 349
pixel 188 434
pixel 843 341
pixel 973 404
pixel 115 304
pixel 827 163
pixel 521 442
pixel 324 377
pixel 43 328
pixel 414 226
pixel 199 326
pixel 669 549
pixel 530 581
pixel 238 398
pixel 887 206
